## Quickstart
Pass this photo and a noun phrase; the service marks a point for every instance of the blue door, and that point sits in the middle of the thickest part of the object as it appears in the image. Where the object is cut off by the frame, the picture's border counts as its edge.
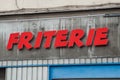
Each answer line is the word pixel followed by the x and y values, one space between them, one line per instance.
pixel 85 72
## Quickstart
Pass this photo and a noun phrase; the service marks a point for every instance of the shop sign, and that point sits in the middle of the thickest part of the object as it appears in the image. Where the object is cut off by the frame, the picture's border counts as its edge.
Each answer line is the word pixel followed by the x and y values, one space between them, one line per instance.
pixel 62 38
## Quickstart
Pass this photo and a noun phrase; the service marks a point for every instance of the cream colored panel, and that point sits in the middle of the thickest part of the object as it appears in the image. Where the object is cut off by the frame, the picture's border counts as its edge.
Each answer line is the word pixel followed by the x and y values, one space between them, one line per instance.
pixel 29 73
pixel 19 63
pixel 34 73
pixel 14 72
pixel 66 61
pixel 9 63
pixel 19 73
pixel 61 61
pixel 50 61
pixel 4 63
pixel 34 62
pixel 29 62
pixel 45 73
pixel 24 62
pixel 8 74
pixel 55 61
pixel 14 63
pixel 40 73
pixel 24 73
pixel 44 61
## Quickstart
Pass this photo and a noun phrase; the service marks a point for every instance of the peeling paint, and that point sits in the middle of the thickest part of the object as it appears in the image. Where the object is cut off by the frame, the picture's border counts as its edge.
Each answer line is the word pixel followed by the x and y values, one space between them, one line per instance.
pixel 113 49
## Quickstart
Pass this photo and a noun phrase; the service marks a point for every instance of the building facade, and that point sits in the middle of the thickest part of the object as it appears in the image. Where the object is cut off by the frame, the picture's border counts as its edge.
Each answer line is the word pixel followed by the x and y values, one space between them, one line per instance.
pixel 85 63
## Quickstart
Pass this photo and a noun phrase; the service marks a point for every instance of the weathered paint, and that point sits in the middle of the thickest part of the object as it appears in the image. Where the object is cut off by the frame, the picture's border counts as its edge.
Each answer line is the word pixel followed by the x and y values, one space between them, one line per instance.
pixel 35 25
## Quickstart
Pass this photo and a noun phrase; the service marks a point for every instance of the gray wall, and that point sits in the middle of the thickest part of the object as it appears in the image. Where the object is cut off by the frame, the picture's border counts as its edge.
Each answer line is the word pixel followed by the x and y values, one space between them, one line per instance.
pixel 40 24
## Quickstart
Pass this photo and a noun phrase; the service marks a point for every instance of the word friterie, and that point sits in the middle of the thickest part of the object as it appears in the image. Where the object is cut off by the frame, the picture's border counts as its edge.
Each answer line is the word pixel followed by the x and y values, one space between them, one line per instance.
pixel 63 38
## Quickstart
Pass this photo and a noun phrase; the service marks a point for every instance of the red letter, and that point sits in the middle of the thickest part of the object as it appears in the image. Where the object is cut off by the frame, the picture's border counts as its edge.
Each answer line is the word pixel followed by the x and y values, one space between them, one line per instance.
pixel 48 35
pixel 61 38
pixel 101 36
pixel 25 38
pixel 90 37
pixel 75 37
pixel 13 39
pixel 38 40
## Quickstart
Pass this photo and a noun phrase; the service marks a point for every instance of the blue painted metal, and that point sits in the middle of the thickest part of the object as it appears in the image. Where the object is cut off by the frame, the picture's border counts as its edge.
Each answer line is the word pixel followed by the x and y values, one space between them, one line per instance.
pixel 49 73
pixel 91 71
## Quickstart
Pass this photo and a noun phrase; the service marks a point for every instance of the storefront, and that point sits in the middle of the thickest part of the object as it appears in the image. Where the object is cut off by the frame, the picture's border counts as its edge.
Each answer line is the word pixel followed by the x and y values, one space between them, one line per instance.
pixel 64 63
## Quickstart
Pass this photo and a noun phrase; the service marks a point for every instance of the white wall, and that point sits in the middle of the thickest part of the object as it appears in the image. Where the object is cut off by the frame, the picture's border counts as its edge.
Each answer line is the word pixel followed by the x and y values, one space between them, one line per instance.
pixel 27 73
pixel 7 5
